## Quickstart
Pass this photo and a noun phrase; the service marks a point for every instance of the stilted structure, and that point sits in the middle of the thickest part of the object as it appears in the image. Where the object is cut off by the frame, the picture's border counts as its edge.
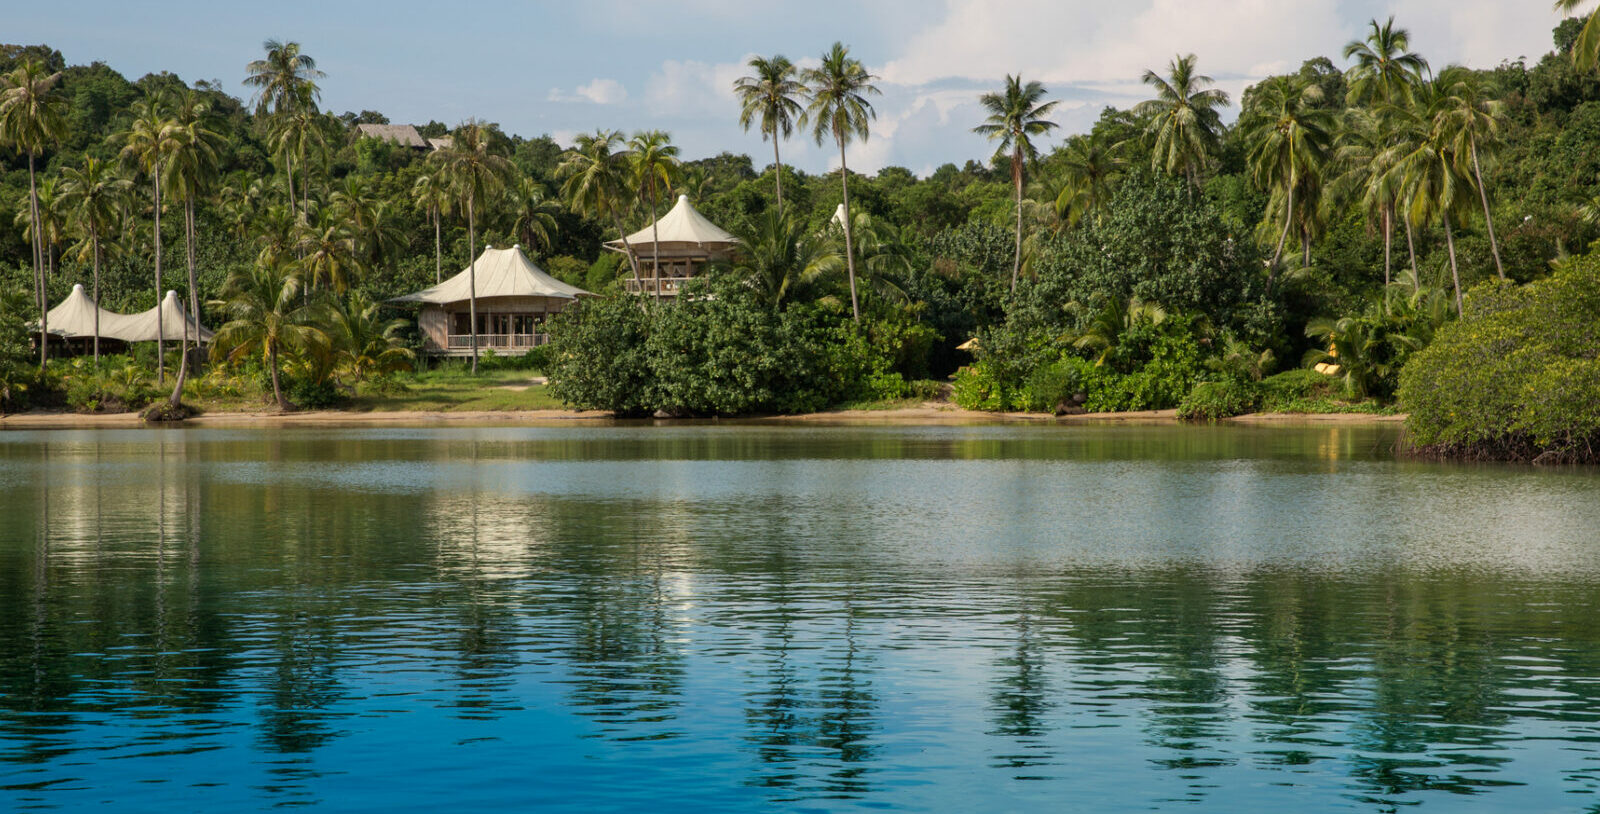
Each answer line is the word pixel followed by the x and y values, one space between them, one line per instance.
pixel 686 240
pixel 514 299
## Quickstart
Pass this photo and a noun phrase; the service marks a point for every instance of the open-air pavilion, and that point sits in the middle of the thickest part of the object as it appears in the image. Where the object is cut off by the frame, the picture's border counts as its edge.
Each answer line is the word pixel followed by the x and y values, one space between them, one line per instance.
pixel 73 321
pixel 515 297
pixel 687 242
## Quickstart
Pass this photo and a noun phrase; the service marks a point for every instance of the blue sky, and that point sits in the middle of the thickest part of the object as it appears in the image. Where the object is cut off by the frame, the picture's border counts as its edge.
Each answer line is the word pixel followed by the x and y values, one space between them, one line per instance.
pixel 561 68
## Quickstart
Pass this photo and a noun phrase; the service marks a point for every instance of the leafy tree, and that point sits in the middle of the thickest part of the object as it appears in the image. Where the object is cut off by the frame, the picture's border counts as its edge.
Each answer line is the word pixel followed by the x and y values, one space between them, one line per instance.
pixel 781 256
pixel 1386 70
pixel 1291 142
pixel 596 184
pixel 1184 119
pixel 838 108
pixel 1586 48
pixel 1471 119
pixel 267 314
pixel 476 173
pixel 1016 115
pixel 773 95
pixel 33 120
pixel 147 147
pixel 654 160
pixel 96 200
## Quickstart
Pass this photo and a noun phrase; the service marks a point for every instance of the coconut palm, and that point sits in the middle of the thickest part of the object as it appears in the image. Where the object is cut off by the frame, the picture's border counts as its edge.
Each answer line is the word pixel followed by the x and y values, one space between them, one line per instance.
pixel 364 343
pixel 192 167
pixel 1386 70
pixel 654 160
pixel 33 119
pixel 267 313
pixel 1016 115
pixel 1089 166
pixel 1586 49
pixel 1472 120
pixel 780 257
pixel 1365 159
pixel 327 249
pixel 1431 179
pixel 772 95
pixel 596 184
pixel 96 201
pixel 534 213
pixel 1184 119
pixel 431 193
pixel 476 173
pixel 147 146
pixel 285 79
pixel 837 107
pixel 296 136
pixel 375 233
pixel 1290 138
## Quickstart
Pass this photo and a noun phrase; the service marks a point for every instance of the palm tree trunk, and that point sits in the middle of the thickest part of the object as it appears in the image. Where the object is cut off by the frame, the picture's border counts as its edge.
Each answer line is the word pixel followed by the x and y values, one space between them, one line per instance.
pixel 288 162
pixel 1411 247
pixel 194 301
pixel 41 294
pixel 1016 181
pixel 94 238
pixel 277 389
pixel 1455 274
pixel 633 262
pixel 849 247
pixel 1488 219
pixel 438 258
pixel 1388 235
pixel 1305 246
pixel 472 281
pixel 655 236
pixel 1283 237
pixel 779 177
pixel 161 345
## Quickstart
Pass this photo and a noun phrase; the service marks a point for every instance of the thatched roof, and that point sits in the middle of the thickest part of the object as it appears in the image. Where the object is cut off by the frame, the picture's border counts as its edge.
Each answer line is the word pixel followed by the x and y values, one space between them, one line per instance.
pixel 402 134
pixel 442 142
pixel 501 273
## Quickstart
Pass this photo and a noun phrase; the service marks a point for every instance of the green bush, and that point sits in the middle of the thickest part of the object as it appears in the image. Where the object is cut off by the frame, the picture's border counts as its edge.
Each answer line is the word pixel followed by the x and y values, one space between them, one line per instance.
pixel 1517 378
pixel 1283 391
pixel 597 358
pixel 313 393
pixel 1054 384
pixel 1209 401
pixel 116 384
pixel 977 388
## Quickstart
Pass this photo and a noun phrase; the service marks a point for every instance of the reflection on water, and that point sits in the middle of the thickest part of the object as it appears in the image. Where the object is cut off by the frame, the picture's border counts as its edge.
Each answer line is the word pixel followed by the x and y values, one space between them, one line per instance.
pixel 957 618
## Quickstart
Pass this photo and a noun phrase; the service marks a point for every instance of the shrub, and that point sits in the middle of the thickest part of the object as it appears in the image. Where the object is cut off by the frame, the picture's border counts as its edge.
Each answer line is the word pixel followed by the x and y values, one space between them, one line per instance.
pixel 1209 401
pixel 313 393
pixel 1054 384
pixel 596 356
pixel 977 388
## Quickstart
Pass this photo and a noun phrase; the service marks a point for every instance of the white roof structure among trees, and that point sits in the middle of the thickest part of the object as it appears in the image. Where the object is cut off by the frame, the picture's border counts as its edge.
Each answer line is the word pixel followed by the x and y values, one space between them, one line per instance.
pixel 74 319
pixel 74 316
pixel 501 273
pixel 682 224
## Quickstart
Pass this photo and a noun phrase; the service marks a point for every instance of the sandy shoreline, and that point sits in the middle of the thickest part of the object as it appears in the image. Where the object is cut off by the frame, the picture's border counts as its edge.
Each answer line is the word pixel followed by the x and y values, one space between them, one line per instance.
pixel 928 414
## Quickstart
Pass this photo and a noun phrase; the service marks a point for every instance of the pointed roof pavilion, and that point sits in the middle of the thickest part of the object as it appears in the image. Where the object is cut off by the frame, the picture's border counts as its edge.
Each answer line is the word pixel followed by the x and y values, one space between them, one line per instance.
pixel 74 317
pixel 682 224
pixel 146 326
pixel 501 273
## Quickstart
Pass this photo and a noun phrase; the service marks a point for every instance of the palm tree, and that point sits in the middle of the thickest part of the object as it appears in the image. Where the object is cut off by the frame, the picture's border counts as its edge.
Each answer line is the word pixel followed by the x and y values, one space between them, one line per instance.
pixel 285 79
pixel 1290 141
pixel 1385 68
pixel 838 107
pixel 431 192
pixel 33 119
pixel 773 95
pixel 1090 165
pixel 147 146
pixel 1432 181
pixel 596 184
pixel 96 200
pixel 534 213
pixel 1015 117
pixel 327 250
pixel 1472 119
pixel 654 160
pixel 267 313
pixel 780 256
pixel 363 341
pixel 374 233
pixel 1366 156
pixel 193 166
pixel 1184 119
pixel 476 174
pixel 294 136
pixel 1586 49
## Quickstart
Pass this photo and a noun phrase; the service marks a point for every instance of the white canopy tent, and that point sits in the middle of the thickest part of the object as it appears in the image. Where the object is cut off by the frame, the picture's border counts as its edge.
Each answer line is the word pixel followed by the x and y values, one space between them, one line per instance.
pixel 682 224
pixel 142 327
pixel 683 240
pixel 514 299
pixel 74 317
pixel 501 273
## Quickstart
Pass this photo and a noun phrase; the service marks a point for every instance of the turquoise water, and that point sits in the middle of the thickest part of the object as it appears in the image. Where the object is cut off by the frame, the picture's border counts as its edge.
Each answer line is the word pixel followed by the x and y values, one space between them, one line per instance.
pixel 740 618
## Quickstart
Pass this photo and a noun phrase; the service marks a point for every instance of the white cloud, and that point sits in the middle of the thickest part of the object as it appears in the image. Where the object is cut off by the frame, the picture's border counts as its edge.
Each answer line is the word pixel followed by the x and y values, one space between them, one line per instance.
pixel 692 88
pixel 598 91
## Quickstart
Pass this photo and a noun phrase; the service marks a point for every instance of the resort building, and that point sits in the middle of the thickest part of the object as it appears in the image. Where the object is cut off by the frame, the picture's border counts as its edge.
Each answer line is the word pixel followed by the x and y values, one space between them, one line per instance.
pixel 687 240
pixel 73 321
pixel 405 135
pixel 514 299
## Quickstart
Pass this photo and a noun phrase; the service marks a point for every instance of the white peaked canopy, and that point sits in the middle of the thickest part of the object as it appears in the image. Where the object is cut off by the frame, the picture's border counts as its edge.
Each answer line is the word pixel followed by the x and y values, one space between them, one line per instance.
pixel 74 317
pixel 501 273
pixel 838 215
pixel 680 225
pixel 142 327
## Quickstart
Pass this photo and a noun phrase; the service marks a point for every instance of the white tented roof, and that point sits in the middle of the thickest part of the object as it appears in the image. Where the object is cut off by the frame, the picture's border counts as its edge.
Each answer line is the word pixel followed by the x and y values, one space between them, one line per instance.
pixel 74 317
pixel 680 225
pixel 142 327
pixel 501 273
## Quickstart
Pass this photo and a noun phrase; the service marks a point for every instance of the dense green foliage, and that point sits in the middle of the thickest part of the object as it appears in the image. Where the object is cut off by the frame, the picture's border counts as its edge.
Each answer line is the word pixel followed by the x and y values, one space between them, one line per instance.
pixel 1518 377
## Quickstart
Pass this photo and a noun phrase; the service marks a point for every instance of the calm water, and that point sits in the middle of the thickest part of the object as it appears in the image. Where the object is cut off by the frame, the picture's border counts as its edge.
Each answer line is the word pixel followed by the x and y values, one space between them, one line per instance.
pixel 807 619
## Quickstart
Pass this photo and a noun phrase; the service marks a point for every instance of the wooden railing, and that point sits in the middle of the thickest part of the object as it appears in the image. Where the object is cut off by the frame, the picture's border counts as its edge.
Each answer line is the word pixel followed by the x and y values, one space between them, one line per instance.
pixel 463 342
pixel 668 286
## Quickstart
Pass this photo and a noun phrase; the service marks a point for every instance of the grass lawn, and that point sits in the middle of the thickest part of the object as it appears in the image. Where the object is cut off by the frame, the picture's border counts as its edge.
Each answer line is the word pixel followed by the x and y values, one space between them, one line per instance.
pixel 454 390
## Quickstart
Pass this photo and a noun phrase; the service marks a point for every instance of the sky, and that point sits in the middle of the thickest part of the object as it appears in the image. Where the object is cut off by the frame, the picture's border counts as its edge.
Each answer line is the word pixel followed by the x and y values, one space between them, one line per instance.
pixel 562 68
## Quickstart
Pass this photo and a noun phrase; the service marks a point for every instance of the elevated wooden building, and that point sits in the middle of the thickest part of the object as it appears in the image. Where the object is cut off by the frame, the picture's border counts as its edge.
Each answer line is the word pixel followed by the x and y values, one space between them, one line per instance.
pixel 515 297
pixel 687 242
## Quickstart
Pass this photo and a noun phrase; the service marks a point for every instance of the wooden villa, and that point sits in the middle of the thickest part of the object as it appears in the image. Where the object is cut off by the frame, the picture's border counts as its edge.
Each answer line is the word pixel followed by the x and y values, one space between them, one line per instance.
pixel 688 241
pixel 514 299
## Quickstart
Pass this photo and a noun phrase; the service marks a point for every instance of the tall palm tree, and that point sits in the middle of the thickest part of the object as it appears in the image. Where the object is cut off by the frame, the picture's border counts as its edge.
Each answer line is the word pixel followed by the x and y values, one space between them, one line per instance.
pixel 147 146
pixel 268 314
pixel 431 193
pixel 327 249
pixel 33 119
pixel 1433 182
pixel 193 166
pixel 1016 115
pixel 295 136
pixel 1089 165
pixel 1365 157
pixel 1586 49
pixel 654 161
pixel 1290 140
pixel 1472 119
pixel 1185 121
pixel 596 184
pixel 534 213
pixel 1386 70
pixel 96 200
pixel 285 79
pixel 772 95
pixel 477 173
pixel 837 107
pixel 780 256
